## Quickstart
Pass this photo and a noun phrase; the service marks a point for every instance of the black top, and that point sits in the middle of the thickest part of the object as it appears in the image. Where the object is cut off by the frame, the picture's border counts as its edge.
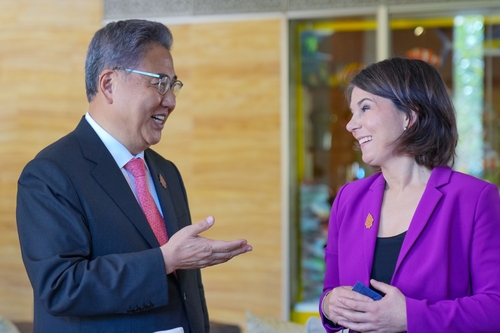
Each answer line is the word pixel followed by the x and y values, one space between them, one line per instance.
pixel 386 255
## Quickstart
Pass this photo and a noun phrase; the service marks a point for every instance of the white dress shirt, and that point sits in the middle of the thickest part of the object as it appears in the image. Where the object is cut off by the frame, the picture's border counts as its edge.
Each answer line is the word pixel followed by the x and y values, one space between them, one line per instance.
pixel 122 156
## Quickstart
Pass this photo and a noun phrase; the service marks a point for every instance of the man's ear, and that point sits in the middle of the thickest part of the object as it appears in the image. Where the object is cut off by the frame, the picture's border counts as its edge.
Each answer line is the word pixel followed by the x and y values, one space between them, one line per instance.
pixel 106 82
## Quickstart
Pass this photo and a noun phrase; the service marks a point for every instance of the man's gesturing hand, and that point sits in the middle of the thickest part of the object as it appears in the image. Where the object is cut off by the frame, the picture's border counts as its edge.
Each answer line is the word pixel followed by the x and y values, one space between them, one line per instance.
pixel 186 249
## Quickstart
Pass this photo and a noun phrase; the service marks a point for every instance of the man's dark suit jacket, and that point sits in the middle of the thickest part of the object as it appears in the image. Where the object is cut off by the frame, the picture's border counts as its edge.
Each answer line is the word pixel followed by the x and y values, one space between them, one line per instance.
pixel 90 254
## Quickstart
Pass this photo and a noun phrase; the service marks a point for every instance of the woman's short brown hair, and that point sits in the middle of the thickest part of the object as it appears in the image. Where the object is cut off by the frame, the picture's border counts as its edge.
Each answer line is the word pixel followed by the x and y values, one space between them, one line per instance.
pixel 414 85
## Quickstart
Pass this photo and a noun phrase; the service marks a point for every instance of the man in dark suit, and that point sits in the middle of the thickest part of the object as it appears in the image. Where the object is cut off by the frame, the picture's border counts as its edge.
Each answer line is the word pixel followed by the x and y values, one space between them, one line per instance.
pixel 97 260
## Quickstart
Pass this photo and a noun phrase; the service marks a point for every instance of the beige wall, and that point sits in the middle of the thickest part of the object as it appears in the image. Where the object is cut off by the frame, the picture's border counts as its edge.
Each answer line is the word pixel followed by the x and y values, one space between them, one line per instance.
pixel 224 136
pixel 42 52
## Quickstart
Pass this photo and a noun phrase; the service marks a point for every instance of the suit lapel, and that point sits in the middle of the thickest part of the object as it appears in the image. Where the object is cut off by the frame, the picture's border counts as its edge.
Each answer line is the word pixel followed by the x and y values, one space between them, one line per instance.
pixel 163 192
pixel 430 199
pixel 371 210
pixel 184 277
pixel 111 179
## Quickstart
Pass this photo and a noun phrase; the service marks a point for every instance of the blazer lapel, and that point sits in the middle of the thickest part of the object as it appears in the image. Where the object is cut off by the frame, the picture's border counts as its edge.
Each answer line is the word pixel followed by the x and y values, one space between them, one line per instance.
pixel 371 221
pixel 164 197
pixel 430 199
pixel 111 179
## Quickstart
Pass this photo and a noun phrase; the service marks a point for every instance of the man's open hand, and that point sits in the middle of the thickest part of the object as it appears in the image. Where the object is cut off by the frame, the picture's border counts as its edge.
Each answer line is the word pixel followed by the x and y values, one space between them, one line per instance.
pixel 186 249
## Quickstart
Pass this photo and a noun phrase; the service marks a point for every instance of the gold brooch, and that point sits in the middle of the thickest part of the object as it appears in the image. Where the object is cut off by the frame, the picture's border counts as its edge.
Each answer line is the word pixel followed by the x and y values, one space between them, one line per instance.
pixel 162 181
pixel 369 221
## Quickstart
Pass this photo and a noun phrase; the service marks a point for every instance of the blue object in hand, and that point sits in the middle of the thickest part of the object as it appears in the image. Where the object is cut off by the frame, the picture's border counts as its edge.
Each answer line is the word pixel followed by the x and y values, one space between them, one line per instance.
pixel 362 289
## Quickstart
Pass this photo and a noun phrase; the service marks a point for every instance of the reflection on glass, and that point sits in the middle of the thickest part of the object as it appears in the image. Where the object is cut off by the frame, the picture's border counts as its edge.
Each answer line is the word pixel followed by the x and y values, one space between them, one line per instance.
pixel 328 55
pixel 468 90
pixel 491 116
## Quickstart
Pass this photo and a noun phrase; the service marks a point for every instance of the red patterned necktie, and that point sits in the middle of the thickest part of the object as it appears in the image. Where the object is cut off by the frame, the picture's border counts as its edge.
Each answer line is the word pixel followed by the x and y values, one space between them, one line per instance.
pixel 136 167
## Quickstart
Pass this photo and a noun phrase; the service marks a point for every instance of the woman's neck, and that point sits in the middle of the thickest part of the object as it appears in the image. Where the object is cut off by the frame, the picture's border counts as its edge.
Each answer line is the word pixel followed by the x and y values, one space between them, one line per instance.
pixel 405 173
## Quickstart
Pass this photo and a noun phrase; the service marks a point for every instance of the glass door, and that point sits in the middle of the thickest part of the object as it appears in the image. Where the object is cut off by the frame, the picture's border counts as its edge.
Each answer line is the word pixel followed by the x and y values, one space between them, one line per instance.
pixel 324 55
pixel 466 51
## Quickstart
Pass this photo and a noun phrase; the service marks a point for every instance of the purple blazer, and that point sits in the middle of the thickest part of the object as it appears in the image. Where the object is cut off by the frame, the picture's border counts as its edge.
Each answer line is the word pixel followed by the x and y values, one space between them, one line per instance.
pixel 449 264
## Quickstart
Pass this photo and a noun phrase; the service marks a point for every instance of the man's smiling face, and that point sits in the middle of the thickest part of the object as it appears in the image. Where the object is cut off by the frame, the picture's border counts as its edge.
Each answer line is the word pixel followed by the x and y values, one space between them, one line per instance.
pixel 140 110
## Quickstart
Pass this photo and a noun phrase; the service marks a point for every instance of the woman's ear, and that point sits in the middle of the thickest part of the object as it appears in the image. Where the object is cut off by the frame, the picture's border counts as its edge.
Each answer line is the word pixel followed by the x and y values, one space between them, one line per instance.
pixel 105 84
pixel 411 119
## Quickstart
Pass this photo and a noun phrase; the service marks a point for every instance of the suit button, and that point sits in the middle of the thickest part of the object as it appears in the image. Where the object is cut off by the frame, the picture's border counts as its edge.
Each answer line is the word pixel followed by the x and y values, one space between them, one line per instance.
pixel 185 297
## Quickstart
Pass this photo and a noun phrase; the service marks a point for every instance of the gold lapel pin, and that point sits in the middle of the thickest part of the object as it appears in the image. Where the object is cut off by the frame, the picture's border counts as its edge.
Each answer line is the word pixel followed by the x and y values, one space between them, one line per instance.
pixel 162 181
pixel 369 221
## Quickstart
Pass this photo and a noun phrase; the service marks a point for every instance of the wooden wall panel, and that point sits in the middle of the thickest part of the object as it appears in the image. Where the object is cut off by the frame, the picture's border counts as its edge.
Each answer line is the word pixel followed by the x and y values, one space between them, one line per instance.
pixel 42 97
pixel 225 137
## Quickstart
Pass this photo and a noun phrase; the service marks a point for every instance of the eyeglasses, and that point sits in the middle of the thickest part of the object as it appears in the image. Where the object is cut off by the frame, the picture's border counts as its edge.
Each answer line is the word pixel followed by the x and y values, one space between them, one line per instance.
pixel 164 83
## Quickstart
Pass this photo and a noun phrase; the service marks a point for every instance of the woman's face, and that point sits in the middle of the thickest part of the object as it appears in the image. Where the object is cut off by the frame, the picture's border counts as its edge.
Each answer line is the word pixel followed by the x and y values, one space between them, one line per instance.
pixel 376 124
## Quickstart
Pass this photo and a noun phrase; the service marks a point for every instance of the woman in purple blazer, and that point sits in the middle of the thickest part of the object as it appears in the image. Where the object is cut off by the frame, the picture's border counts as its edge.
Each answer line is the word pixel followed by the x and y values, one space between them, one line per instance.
pixel 423 236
